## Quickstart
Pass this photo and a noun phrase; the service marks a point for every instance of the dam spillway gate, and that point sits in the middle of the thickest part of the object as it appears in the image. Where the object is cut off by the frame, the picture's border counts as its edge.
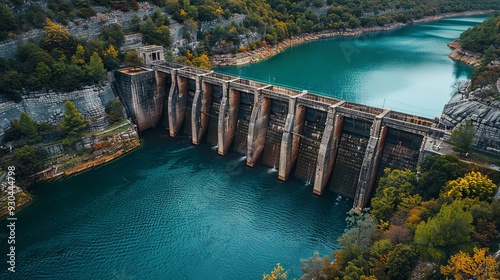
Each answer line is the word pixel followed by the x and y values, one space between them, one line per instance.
pixel 328 143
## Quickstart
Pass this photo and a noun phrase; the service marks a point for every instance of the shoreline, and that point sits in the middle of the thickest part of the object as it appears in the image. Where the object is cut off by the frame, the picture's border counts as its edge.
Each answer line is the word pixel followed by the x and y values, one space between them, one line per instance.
pixel 245 58
pixel 464 56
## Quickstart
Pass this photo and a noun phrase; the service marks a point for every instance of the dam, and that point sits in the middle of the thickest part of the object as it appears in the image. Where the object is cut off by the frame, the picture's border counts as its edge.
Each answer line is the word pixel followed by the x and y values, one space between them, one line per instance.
pixel 331 144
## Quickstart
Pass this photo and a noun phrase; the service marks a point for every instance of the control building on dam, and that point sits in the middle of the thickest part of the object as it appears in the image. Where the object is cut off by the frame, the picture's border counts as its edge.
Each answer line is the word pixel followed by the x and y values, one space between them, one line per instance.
pixel 332 144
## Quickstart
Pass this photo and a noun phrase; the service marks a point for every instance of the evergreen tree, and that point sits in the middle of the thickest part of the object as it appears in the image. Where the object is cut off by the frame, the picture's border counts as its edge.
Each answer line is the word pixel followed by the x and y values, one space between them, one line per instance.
pixel 114 111
pixel 73 122
pixel 446 233
pixel 28 128
pixel 461 139
pixel 41 78
pixel 95 69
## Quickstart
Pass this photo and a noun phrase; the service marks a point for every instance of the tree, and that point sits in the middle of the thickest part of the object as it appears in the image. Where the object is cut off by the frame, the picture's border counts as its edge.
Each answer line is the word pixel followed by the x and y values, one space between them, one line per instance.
pixel 73 122
pixel 392 188
pixel 10 84
pixel 57 37
pixel 28 161
pixel 358 238
pixel 110 58
pixel 446 233
pixel 461 139
pixel 114 111
pixel 202 62
pixel 79 57
pixel 132 59
pixel 28 128
pixel 277 273
pixel 462 266
pixel 69 76
pixel 113 34
pixel 312 268
pixel 472 185
pixel 401 262
pixel 41 78
pixel 7 21
pixel 436 171
pixel 96 69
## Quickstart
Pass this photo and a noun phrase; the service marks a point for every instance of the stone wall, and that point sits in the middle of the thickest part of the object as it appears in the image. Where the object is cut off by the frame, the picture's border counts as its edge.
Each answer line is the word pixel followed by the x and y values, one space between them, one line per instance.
pixel 485 119
pixel 49 107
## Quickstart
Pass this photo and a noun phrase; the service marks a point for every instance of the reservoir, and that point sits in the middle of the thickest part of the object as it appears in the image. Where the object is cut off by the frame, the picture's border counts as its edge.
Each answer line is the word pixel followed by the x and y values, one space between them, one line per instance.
pixel 406 69
pixel 171 210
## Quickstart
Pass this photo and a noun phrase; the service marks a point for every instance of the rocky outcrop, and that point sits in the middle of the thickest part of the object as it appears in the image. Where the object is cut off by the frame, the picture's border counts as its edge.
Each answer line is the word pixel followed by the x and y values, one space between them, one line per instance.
pixel 49 107
pixel 484 117
pixel 462 55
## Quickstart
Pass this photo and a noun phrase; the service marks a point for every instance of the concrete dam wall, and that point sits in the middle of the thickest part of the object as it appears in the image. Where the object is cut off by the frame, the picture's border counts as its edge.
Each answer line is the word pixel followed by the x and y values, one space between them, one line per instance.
pixel 329 143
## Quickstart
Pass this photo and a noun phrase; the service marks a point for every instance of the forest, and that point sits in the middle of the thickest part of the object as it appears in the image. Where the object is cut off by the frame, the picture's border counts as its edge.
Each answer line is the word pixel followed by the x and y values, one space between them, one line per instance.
pixel 484 38
pixel 441 222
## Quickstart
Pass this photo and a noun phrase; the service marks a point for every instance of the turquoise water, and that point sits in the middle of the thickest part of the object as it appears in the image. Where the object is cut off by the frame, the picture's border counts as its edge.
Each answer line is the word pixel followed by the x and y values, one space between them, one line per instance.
pixel 171 210
pixel 407 69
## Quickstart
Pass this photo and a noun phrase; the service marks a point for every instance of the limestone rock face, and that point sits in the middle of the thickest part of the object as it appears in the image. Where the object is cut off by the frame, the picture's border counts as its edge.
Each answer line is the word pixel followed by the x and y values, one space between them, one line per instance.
pixel 49 107
pixel 485 119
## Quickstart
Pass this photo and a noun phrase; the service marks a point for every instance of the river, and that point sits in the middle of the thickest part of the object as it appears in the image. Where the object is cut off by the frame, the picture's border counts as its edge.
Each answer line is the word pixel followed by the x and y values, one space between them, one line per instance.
pixel 170 210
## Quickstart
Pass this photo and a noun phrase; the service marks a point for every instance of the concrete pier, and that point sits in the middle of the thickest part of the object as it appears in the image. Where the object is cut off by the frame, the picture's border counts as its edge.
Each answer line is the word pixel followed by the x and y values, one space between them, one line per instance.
pixel 200 114
pixel 257 128
pixel 228 117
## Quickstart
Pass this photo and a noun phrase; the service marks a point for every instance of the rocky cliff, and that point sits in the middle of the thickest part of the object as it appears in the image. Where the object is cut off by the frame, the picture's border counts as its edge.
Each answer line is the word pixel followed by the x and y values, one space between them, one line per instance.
pixel 462 55
pixel 484 116
pixel 49 107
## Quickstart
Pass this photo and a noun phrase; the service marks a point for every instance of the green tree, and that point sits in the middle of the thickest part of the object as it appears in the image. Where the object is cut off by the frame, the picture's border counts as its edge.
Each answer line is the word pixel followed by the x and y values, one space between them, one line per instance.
pixel 113 34
pixel 392 188
pixel 312 268
pixel 114 111
pixel 28 128
pixel 358 238
pixel 96 69
pixel 10 84
pixel 69 76
pixel 401 262
pixel 79 57
pixel 472 185
pixel 7 21
pixel 28 161
pixel 73 122
pixel 461 139
pixel 446 233
pixel 132 59
pixel 42 76
pixel 436 171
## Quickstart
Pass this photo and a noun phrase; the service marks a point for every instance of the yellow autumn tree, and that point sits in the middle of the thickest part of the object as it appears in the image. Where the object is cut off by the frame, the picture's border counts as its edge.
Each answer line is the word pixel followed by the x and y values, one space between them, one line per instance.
pixel 111 51
pixel 57 37
pixel 277 273
pixel 462 266
pixel 79 57
pixel 472 185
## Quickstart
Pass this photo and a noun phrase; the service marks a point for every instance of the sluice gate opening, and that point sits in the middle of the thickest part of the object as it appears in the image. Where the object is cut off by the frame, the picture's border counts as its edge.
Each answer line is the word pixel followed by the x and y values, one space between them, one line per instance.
pixel 189 105
pixel 244 113
pixel 310 140
pixel 212 131
pixel 272 145
pixel 401 150
pixel 350 154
